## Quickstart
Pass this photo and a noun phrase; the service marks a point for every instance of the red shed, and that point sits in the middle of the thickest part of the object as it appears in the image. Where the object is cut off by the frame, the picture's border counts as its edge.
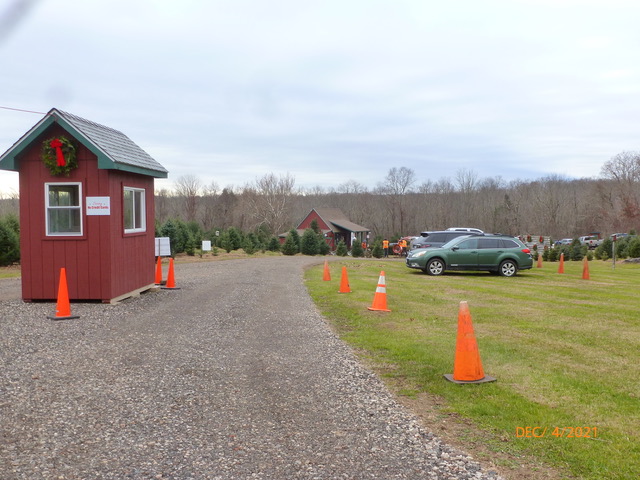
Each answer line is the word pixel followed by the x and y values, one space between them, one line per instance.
pixel 86 204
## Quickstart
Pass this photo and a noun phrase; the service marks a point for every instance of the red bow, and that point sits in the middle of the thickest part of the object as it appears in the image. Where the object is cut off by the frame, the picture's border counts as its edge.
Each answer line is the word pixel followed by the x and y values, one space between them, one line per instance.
pixel 57 144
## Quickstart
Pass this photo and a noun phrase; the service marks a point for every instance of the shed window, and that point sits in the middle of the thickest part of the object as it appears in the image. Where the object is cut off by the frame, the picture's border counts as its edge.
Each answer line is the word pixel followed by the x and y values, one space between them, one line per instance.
pixel 64 208
pixel 134 210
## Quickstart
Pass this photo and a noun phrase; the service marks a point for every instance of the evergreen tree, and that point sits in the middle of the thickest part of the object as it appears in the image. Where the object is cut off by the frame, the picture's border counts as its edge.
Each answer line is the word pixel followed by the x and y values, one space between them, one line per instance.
pixel 9 243
pixel 235 237
pixel 248 246
pixel 289 246
pixel 295 236
pixel 309 242
pixel 341 249
pixel 225 242
pixel 357 250
pixel 274 244
pixel 323 246
pixel 314 226
pixel 377 251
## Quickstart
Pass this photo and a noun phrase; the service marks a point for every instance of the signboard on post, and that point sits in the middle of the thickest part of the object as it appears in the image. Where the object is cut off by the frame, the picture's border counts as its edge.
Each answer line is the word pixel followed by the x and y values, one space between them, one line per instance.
pixel 206 245
pixel 163 247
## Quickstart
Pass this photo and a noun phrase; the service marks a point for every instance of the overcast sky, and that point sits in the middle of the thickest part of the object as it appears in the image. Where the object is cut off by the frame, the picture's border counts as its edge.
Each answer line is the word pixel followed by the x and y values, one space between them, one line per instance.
pixel 333 90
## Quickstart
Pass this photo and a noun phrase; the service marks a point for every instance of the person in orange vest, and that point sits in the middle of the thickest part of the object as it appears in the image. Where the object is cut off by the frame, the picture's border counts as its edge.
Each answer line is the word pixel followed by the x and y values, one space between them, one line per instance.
pixel 403 246
pixel 385 247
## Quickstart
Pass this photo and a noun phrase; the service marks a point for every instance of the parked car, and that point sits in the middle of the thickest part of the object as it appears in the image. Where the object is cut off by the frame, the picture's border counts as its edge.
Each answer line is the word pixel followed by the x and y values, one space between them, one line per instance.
pixel 590 241
pixel 564 241
pixel 435 239
pixel 502 254
pixel 618 236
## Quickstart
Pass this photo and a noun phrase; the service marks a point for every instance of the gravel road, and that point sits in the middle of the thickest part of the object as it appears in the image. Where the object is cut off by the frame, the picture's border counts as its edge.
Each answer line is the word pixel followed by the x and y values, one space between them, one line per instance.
pixel 235 375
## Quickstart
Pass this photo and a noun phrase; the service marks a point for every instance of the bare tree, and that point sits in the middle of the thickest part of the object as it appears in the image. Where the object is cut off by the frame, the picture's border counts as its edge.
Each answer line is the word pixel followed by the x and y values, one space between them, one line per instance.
pixel 209 198
pixel 397 184
pixel 624 170
pixel 269 199
pixel 188 188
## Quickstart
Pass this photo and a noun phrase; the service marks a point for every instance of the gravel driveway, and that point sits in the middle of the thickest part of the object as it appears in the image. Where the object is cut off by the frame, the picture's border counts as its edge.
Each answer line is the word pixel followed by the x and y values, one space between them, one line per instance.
pixel 233 376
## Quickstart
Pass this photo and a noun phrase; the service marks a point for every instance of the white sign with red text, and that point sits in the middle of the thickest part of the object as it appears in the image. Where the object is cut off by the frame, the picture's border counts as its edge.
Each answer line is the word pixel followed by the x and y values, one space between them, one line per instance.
pixel 98 206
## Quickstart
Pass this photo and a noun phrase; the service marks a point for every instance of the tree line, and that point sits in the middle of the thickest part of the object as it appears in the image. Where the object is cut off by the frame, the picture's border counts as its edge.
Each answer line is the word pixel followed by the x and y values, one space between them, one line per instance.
pixel 553 206
pixel 398 205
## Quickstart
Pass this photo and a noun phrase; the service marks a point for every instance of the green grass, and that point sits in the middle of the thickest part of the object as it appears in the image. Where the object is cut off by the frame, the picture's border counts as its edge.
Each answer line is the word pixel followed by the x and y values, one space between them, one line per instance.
pixel 565 351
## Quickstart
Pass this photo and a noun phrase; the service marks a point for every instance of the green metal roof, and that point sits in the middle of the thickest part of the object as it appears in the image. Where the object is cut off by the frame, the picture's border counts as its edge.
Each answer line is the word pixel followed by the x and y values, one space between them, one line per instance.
pixel 115 151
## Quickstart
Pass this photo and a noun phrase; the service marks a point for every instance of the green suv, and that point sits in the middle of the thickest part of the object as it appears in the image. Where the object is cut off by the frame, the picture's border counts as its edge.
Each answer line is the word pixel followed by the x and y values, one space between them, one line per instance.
pixel 495 253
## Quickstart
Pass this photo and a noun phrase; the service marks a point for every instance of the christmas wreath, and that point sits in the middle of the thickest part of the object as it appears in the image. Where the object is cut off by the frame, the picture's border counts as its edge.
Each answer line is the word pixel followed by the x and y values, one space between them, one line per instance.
pixel 59 155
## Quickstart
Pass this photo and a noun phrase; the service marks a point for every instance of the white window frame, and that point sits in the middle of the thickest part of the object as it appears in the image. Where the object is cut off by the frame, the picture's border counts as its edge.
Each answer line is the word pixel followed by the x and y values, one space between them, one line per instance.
pixel 137 213
pixel 48 208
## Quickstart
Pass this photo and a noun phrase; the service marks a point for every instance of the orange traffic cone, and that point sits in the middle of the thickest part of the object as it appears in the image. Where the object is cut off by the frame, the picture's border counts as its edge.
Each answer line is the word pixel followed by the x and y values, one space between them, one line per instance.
pixel 63 308
pixel 467 366
pixel 561 266
pixel 539 260
pixel 171 279
pixel 585 269
pixel 380 298
pixel 326 276
pixel 344 282
pixel 159 271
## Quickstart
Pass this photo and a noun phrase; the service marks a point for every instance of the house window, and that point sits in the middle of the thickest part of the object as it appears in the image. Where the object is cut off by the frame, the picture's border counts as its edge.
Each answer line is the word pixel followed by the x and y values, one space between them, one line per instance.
pixel 134 210
pixel 63 209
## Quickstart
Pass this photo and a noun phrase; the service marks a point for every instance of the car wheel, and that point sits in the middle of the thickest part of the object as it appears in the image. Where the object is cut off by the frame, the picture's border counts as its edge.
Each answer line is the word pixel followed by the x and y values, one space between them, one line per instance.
pixel 508 268
pixel 435 266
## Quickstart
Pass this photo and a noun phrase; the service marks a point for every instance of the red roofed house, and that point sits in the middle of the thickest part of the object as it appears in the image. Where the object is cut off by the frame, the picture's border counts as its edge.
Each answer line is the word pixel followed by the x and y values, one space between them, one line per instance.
pixel 335 226
pixel 86 204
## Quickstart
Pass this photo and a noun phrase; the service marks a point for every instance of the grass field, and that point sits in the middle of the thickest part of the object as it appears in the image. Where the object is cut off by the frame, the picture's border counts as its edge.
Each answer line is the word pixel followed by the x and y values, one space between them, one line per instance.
pixel 565 351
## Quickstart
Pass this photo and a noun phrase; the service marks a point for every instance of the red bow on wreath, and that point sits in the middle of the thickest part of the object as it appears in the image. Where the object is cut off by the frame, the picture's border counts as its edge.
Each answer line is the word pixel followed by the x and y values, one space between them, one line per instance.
pixel 57 145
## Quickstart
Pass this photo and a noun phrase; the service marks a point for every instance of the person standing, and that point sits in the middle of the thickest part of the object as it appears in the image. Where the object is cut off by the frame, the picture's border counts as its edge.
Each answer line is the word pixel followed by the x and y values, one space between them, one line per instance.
pixel 385 247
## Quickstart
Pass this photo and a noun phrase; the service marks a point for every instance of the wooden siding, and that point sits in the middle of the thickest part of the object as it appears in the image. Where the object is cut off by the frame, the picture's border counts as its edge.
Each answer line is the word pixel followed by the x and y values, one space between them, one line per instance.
pixel 101 264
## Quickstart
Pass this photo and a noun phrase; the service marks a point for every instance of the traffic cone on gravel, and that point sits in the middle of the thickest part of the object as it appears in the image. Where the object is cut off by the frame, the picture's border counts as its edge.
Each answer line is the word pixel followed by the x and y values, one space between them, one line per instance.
pixel 63 307
pixel 585 269
pixel 344 282
pixel 158 280
pixel 380 298
pixel 561 266
pixel 326 275
pixel 171 279
pixel 467 366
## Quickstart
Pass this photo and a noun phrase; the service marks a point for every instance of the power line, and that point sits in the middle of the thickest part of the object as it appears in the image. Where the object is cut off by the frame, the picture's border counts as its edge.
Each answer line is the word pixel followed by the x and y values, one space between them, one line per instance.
pixel 21 110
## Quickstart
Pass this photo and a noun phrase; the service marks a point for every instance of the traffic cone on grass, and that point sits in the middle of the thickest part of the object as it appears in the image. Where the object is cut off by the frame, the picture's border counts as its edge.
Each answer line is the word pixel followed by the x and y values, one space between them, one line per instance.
pixel 467 366
pixel 380 298
pixel 326 275
pixel 585 269
pixel 171 279
pixel 539 260
pixel 561 266
pixel 159 271
pixel 63 307
pixel 344 282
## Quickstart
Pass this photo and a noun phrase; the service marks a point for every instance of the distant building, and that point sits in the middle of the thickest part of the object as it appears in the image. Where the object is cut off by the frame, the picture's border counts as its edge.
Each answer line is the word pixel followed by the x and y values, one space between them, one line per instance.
pixel 335 226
